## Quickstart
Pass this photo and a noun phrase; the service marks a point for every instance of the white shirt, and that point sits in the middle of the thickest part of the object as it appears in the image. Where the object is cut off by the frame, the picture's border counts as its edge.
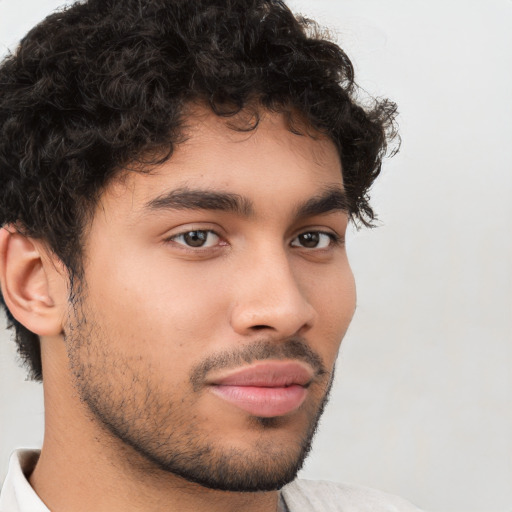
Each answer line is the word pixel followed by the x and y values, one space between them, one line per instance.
pixel 300 496
pixel 17 494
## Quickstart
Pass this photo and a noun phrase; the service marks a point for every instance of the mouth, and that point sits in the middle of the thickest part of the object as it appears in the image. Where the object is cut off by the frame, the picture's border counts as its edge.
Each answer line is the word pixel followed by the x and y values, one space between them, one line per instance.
pixel 266 389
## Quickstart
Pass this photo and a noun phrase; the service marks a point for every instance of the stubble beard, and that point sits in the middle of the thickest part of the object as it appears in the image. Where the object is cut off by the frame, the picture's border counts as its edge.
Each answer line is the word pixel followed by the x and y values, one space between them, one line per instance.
pixel 156 432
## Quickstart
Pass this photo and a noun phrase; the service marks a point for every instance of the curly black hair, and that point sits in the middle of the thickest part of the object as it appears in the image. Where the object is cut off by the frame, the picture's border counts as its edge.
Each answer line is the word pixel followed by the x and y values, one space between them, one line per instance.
pixel 103 84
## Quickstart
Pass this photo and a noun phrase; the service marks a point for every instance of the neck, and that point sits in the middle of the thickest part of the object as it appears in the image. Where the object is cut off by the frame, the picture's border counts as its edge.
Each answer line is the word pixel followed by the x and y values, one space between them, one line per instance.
pixel 67 485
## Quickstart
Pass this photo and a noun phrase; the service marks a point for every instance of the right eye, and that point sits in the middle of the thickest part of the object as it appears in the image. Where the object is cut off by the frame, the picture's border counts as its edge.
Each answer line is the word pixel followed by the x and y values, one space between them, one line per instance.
pixel 197 238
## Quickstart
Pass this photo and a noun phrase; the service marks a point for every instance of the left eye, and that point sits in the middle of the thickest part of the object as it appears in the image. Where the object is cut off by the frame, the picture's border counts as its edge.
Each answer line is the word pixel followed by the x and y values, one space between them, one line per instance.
pixel 312 240
pixel 197 238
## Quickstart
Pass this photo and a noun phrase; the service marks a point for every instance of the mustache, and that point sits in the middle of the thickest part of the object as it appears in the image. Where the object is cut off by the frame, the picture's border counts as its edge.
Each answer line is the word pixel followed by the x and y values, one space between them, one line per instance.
pixel 261 350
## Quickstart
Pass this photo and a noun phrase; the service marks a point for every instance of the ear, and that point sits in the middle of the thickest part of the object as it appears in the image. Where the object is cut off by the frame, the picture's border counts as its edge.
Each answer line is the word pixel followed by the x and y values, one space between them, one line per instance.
pixel 33 288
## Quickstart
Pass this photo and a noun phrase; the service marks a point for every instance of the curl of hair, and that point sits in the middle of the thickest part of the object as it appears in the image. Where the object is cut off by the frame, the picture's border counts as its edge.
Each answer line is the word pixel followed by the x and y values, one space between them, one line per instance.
pixel 104 84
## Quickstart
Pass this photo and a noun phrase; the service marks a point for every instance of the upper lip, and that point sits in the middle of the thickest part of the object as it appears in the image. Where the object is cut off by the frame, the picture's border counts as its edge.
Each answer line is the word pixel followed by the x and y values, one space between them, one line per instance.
pixel 266 374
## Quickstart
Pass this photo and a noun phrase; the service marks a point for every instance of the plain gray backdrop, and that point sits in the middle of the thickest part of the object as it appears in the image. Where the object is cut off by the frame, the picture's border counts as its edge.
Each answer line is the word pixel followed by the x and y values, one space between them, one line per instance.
pixel 422 404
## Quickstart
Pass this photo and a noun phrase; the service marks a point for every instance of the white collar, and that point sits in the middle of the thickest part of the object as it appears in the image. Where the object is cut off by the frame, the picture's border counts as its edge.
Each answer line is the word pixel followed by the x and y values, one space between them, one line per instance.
pixel 17 495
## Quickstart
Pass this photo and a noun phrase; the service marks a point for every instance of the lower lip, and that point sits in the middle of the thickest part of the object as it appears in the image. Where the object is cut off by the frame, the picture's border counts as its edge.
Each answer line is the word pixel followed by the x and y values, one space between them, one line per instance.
pixel 264 402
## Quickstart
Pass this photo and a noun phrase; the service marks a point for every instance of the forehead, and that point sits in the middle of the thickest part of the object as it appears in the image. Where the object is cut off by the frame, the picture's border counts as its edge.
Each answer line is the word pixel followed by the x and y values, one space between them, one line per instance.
pixel 266 162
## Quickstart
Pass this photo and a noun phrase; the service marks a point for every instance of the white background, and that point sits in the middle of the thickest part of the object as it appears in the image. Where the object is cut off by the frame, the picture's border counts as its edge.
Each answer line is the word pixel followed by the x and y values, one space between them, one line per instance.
pixel 422 406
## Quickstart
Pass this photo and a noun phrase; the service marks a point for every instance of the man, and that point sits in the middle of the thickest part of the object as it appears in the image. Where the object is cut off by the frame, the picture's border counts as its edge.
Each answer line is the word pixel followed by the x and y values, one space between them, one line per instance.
pixel 176 181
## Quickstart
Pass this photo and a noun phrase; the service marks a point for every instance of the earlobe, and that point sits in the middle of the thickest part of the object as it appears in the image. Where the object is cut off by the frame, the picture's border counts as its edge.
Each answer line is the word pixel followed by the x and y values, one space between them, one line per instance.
pixel 25 277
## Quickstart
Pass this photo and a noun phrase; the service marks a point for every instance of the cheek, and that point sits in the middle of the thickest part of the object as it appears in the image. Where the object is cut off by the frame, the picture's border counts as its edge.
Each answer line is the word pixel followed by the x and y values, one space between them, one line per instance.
pixel 156 305
pixel 345 297
pixel 334 300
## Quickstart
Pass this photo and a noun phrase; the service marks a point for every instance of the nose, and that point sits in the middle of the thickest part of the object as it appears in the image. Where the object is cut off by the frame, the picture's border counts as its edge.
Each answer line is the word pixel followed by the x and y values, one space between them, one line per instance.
pixel 268 297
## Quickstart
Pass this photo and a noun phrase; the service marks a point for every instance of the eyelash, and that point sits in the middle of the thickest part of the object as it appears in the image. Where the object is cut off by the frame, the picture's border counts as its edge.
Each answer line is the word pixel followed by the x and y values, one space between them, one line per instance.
pixel 335 239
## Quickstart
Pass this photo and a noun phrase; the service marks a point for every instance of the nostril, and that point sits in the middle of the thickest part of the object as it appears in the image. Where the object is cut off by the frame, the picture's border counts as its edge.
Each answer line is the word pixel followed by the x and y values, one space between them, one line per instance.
pixel 260 327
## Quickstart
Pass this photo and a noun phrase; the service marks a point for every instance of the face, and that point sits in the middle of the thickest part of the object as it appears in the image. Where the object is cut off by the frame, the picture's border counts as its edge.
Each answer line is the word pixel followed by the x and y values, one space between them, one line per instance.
pixel 216 294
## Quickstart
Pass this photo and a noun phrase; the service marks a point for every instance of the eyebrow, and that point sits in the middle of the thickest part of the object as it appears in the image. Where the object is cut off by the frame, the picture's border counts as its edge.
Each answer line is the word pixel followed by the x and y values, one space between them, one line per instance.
pixel 332 199
pixel 188 199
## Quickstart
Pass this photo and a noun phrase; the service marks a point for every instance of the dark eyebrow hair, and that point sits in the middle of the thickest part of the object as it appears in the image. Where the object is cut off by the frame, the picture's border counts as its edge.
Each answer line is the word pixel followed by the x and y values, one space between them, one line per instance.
pixel 188 199
pixel 332 199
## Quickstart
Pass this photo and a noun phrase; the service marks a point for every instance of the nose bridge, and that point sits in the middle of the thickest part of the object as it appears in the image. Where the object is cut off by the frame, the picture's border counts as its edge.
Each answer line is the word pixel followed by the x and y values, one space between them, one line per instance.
pixel 269 294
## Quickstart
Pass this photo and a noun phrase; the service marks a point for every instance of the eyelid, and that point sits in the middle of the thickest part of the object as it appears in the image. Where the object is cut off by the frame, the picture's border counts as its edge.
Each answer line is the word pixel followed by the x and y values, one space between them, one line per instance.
pixel 192 226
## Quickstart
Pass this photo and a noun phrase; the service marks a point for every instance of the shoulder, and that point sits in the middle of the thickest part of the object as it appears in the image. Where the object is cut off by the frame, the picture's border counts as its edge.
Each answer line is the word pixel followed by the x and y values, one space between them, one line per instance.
pixel 310 496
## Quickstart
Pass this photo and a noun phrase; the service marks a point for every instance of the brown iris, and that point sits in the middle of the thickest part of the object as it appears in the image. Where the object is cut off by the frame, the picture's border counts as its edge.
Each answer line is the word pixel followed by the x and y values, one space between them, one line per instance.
pixel 309 239
pixel 195 238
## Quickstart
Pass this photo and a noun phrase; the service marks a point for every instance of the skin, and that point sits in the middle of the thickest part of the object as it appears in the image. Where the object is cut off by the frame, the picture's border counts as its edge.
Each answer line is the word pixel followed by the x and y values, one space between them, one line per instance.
pixel 120 399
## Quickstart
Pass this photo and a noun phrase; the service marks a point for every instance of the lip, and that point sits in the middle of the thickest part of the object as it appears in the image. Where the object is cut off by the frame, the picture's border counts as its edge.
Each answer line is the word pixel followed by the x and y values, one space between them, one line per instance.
pixel 268 389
